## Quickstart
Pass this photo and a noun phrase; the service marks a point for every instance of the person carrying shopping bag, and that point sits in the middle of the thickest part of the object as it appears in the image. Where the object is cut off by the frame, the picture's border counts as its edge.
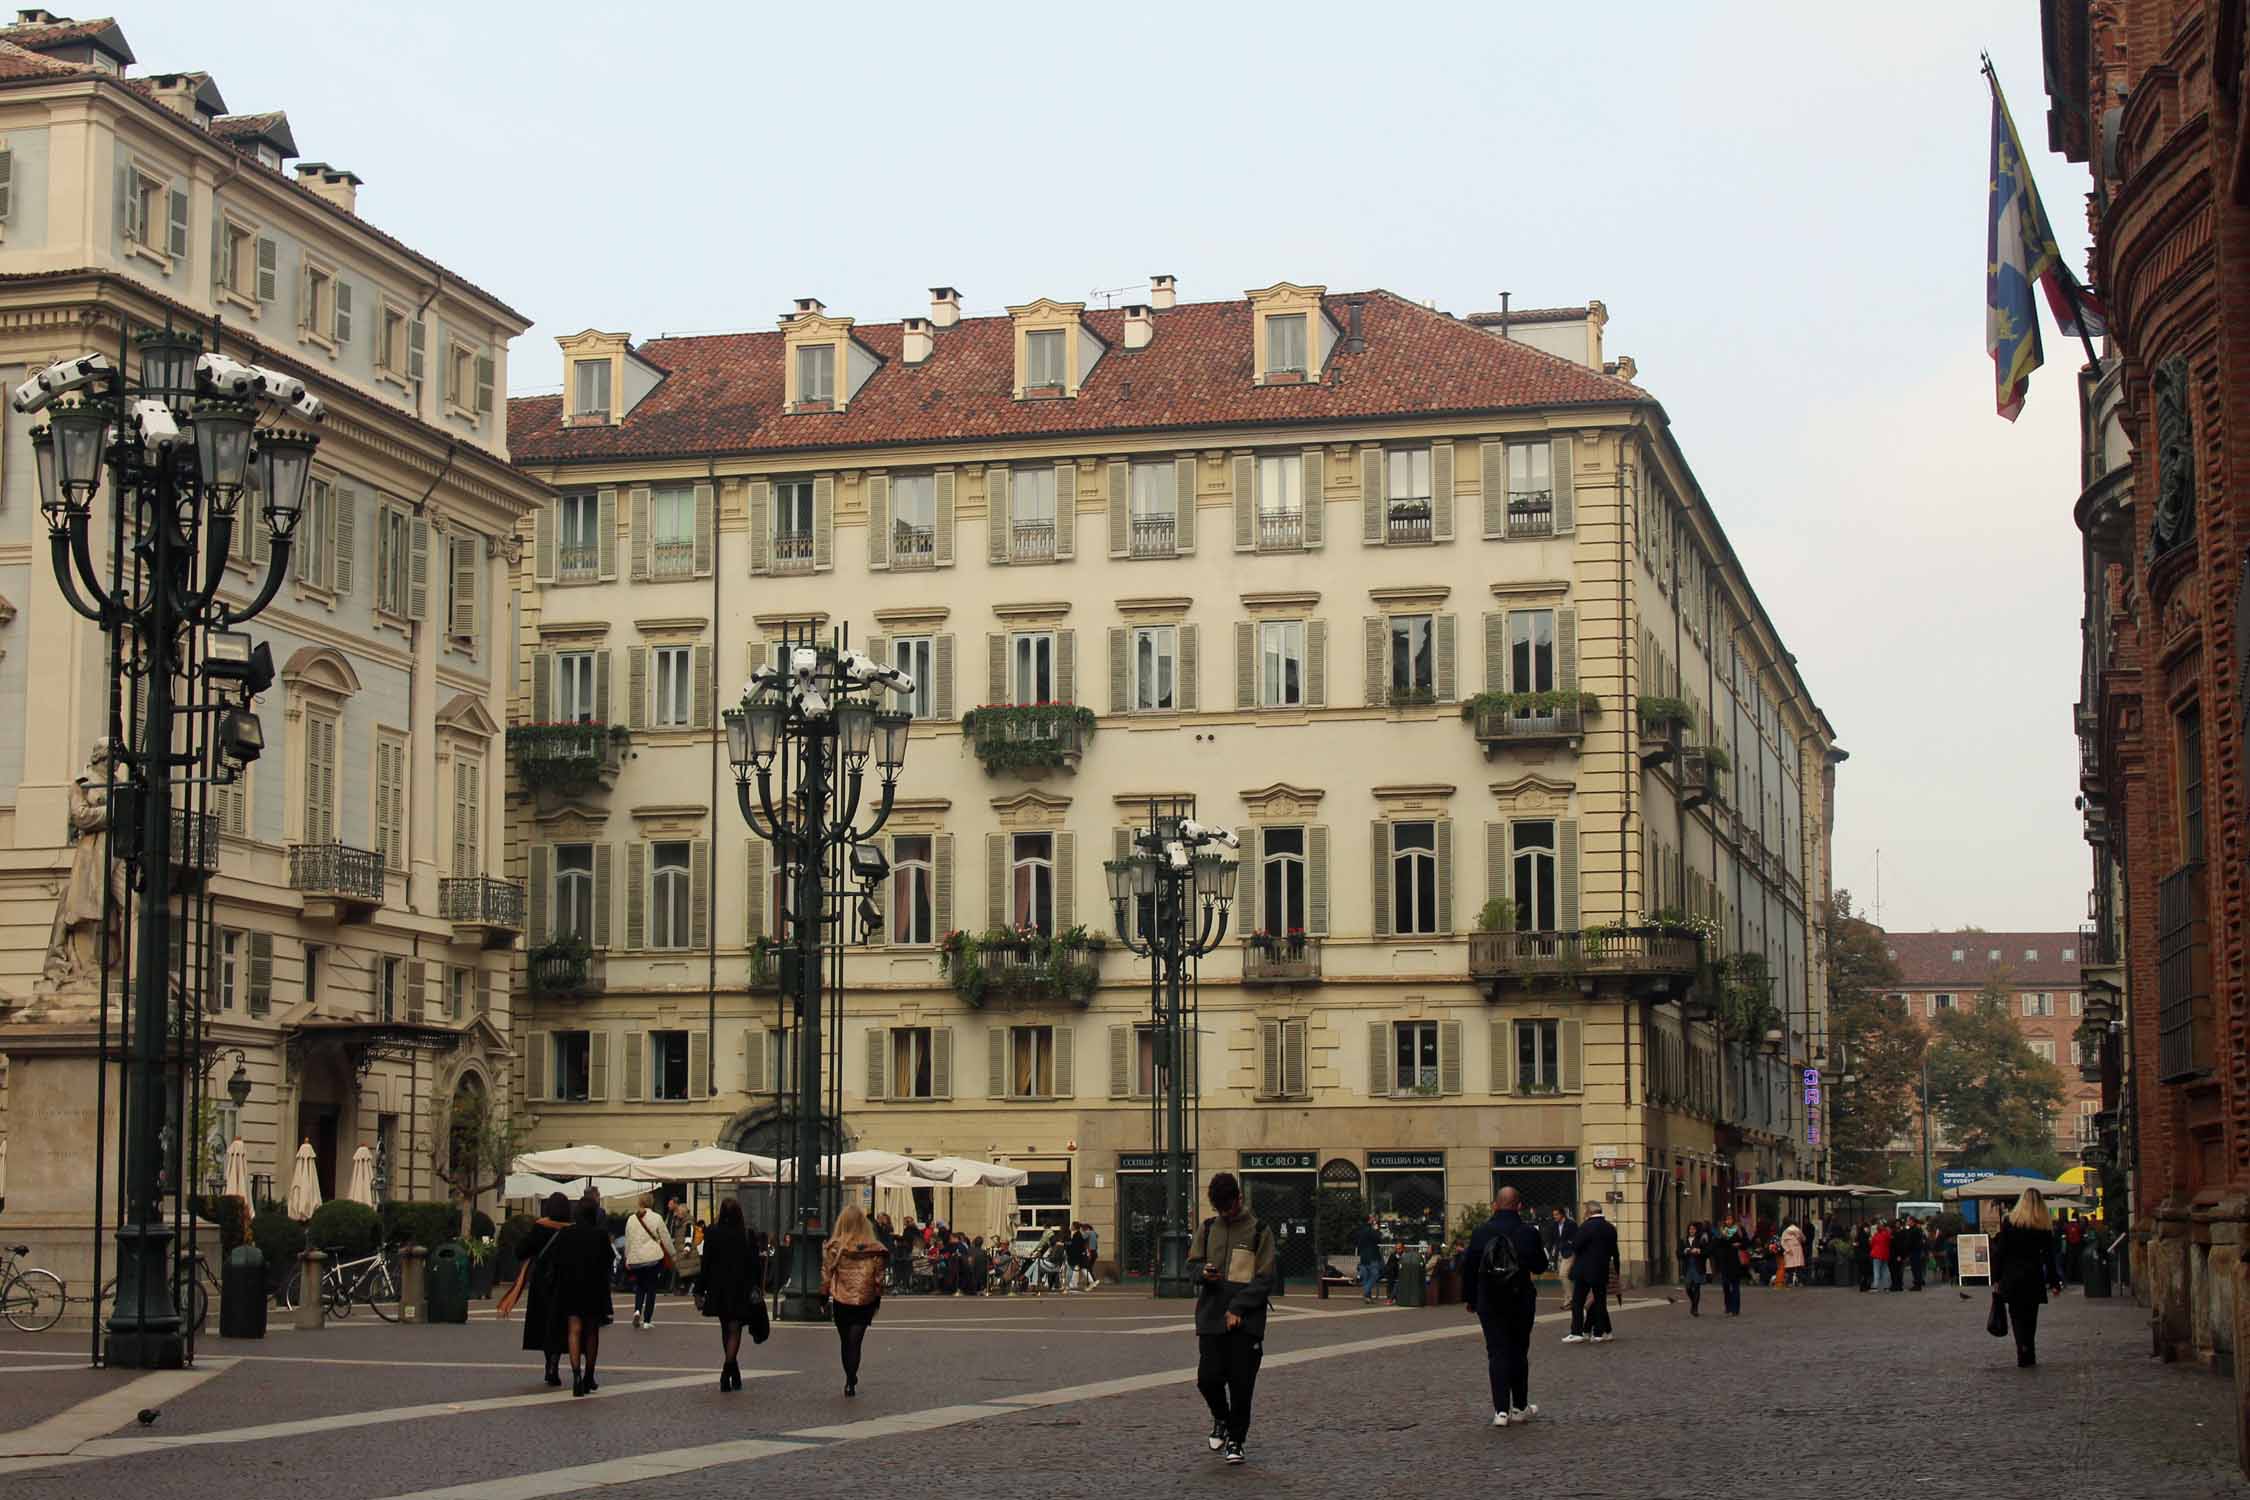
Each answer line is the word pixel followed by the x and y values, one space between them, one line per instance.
pixel 648 1255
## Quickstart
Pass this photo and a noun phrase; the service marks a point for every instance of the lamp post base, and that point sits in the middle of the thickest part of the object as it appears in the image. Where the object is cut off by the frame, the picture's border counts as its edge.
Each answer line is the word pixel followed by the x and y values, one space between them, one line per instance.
pixel 1172 1279
pixel 144 1327
pixel 801 1301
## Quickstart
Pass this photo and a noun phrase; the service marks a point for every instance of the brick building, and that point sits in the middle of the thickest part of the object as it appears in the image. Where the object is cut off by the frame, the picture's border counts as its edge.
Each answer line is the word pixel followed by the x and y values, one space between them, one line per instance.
pixel 2150 95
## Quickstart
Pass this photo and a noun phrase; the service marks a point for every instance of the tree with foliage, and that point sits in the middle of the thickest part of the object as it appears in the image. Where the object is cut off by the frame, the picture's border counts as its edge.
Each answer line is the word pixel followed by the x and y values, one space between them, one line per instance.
pixel 1874 1039
pixel 1995 1096
pixel 480 1143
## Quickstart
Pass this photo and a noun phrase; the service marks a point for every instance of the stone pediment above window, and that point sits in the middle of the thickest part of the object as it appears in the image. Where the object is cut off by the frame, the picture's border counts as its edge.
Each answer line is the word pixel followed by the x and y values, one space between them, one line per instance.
pixel 1055 350
pixel 918 815
pixel 464 714
pixel 571 823
pixel 670 819
pixel 1031 808
pixel 1533 794
pixel 1407 800
pixel 1282 800
pixel 1410 597
pixel 322 671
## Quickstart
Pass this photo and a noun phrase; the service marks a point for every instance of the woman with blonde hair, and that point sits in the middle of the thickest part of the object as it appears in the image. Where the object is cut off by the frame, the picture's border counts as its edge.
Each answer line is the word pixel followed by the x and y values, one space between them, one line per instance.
pixel 851 1274
pixel 2023 1260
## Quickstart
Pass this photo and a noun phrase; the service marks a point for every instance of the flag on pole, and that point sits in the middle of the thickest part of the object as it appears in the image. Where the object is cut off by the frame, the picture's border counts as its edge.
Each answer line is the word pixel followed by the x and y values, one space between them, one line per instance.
pixel 2020 249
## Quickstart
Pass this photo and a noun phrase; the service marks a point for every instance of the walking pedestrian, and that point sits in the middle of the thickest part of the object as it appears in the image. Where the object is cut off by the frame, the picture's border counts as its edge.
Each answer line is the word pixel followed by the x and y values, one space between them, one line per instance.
pixel 1595 1253
pixel 1863 1258
pixel 648 1255
pixel 2023 1271
pixel 732 1290
pixel 1730 1257
pixel 582 1265
pixel 1369 1244
pixel 1233 1257
pixel 1503 1256
pixel 1695 1262
pixel 1081 1269
pixel 1917 1248
pixel 1879 1246
pixel 1793 1255
pixel 851 1273
pixel 1899 1242
pixel 543 1330
pixel 1565 1240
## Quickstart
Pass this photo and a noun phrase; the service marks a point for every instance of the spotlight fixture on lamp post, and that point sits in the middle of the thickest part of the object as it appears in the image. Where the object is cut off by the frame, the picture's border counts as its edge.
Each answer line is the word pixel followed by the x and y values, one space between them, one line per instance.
pixel 804 732
pixel 1169 899
pixel 180 449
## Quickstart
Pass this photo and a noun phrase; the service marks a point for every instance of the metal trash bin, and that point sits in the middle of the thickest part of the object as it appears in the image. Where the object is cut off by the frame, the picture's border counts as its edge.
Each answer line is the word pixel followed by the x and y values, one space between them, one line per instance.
pixel 1413 1280
pixel 242 1294
pixel 447 1287
pixel 2093 1272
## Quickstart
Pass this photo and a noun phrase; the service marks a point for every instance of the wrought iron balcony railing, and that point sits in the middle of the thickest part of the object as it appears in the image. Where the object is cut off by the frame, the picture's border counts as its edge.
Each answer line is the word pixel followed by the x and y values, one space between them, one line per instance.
pixel 1032 541
pixel 1500 958
pixel 195 841
pixel 338 871
pixel 671 559
pixel 1409 521
pixel 1281 960
pixel 1154 536
pixel 482 901
pixel 913 547
pixel 565 969
pixel 1503 726
pixel 1023 970
pixel 1280 530
pixel 1531 513
pixel 793 552
pixel 579 561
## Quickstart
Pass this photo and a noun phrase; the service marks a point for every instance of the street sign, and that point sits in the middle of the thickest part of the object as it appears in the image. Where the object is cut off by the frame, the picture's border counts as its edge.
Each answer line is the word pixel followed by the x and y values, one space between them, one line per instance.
pixel 1147 1161
pixel 1617 1163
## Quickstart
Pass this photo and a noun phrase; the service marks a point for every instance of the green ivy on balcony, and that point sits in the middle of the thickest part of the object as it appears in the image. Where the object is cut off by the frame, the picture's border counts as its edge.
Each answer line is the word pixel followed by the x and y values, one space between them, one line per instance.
pixel 1660 713
pixel 567 757
pixel 562 968
pixel 1550 702
pixel 1027 966
pixel 1027 736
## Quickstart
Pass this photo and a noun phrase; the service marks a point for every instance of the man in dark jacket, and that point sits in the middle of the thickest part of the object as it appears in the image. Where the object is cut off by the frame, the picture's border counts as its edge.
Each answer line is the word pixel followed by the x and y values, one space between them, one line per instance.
pixel 1369 1244
pixel 1505 1305
pixel 1589 1278
pixel 1917 1243
pixel 1561 1233
pixel 1232 1258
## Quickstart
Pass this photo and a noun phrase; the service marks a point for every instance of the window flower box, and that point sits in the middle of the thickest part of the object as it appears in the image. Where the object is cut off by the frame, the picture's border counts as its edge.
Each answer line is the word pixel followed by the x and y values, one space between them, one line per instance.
pixel 1022 968
pixel 567 757
pixel 1028 737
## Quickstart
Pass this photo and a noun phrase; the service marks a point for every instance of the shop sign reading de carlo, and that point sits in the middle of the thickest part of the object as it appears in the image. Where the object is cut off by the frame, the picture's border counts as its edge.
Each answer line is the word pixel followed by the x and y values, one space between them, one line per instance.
pixel 1534 1160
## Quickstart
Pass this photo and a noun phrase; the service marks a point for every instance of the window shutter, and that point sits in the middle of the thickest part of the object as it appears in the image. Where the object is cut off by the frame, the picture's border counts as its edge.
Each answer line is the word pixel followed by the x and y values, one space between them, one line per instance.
pixel 1449 1056
pixel 640 552
pixel 941 663
pixel 1314 495
pixel 995 880
pixel 268 274
pixel 1444 875
pixel 484 992
pixel 1120 508
pixel 1316 879
pixel 261 973
pixel 699 1065
pixel 1374 499
pixel 418 569
pixel 343 312
pixel 823 522
pixel 706 684
pixel 1066 1061
pixel 942 543
pixel 1570 1042
pixel 1496 651
pixel 778 1044
pixel 605 531
pixel 1245 503
pixel 1120 672
pixel 636 895
pixel 1316 663
pixel 1448 675
pixel 996 1084
pixel 417 332
pixel 343 513
pixel 603 862
pixel 878 1058
pixel 1566 650
pixel 754 893
pixel 1245 664
pixel 1379 859
pixel 1269 1059
pixel 1566 874
pixel 7 184
pixel 699 893
pixel 1121 1078
pixel 761 527
pixel 1378 1059
pixel 1494 457
pixel 636 687
pixel 1066 509
pixel 706 527
pixel 485 374
pixel 175 237
pixel 1378 674
pixel 941 877
pixel 1066 666
pixel 1183 504
pixel 996 677
pixel 1066 881
pixel 542 686
pixel 941 1062
pixel 1293 1081
pixel 601 688
pixel 1441 490
pixel 597 1066
pixel 996 516
pixel 1495 861
pixel 878 521
pixel 466 566
pixel 635 1068
pixel 1566 484
pixel 535 1067
pixel 1502 1058
pixel 1188 670
pixel 1246 908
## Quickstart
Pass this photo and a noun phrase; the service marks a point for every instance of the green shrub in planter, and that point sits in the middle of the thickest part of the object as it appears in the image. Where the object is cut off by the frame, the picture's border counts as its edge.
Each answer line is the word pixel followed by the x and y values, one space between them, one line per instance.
pixel 512 1231
pixel 280 1239
pixel 480 1225
pixel 352 1228
pixel 426 1224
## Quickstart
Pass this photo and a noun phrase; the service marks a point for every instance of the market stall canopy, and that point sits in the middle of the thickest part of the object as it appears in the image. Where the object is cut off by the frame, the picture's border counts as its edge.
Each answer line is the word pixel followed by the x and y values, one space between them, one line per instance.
pixel 1795 1187
pixel 2009 1186
pixel 565 1162
pixel 705 1164
pixel 532 1185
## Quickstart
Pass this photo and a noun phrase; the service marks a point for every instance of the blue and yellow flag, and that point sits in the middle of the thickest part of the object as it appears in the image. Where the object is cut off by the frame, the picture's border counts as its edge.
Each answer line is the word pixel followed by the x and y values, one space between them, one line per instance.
pixel 2020 249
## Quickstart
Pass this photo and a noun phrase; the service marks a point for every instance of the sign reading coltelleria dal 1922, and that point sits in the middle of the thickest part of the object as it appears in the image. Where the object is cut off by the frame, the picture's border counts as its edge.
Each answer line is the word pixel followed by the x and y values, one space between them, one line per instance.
pixel 1525 1159
pixel 1405 1161
pixel 1147 1161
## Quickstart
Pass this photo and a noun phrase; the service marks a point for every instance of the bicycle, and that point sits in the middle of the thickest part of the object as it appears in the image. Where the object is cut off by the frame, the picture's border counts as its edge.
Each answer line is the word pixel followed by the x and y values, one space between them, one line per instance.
pixel 31 1299
pixel 195 1295
pixel 372 1279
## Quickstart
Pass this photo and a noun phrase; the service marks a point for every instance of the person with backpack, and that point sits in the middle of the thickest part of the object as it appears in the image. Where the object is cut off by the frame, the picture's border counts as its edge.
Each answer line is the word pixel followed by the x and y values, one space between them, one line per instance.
pixel 1596 1254
pixel 1232 1258
pixel 1503 1256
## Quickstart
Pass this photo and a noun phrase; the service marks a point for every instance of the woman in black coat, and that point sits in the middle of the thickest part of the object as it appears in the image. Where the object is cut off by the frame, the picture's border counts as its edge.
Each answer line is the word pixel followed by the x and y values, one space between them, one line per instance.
pixel 582 1257
pixel 732 1288
pixel 2023 1270
pixel 542 1327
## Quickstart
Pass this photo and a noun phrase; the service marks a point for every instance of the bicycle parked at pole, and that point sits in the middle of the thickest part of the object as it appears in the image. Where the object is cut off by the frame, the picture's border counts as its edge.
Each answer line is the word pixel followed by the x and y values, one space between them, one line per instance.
pixel 30 1298
pixel 193 1290
pixel 370 1279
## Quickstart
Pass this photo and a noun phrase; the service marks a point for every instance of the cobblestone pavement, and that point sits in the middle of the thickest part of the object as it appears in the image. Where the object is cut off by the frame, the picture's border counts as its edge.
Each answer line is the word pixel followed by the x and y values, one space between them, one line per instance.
pixel 1012 1397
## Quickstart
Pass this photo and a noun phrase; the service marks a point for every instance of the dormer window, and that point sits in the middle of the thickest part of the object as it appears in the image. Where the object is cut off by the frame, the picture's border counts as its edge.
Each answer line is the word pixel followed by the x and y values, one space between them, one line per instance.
pixel 1285 344
pixel 589 379
pixel 1291 335
pixel 1055 350
pixel 1043 353
pixel 816 373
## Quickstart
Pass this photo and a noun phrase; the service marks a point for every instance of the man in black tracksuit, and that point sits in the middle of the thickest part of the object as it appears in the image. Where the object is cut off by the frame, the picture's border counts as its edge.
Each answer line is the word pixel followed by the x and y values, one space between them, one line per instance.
pixel 1589 1277
pixel 1506 1311
pixel 1232 1259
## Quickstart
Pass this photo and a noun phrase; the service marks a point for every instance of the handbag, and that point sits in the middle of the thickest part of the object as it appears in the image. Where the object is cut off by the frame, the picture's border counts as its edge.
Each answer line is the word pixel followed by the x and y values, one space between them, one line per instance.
pixel 761 1323
pixel 1996 1323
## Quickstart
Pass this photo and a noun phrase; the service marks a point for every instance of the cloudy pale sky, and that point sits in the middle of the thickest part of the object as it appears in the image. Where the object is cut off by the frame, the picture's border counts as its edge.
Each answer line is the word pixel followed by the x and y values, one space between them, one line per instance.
pixel 1782 205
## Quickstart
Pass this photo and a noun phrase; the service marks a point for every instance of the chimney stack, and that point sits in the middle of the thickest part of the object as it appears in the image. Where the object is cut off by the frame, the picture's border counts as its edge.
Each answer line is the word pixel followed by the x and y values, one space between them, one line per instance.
pixel 1140 326
pixel 1163 292
pixel 810 307
pixel 915 340
pixel 1355 326
pixel 177 93
pixel 333 183
pixel 945 306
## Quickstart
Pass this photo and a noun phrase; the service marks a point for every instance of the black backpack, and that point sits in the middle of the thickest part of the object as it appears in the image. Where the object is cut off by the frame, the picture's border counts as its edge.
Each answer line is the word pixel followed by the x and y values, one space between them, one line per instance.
pixel 1502 1269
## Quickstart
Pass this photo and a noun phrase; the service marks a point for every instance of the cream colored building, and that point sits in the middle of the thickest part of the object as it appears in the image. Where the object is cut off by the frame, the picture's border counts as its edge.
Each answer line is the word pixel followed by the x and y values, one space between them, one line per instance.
pixel 1275 545
pixel 358 957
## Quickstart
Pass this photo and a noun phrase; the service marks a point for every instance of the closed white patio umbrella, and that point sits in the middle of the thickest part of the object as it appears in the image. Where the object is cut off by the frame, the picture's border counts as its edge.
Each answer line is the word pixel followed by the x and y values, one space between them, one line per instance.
pixel 304 1184
pixel 361 1189
pixel 238 1170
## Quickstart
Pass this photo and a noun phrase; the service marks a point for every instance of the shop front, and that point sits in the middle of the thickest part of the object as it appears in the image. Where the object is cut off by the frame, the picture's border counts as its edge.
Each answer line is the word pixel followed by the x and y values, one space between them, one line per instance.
pixel 1546 1180
pixel 1044 1201
pixel 1406 1193
pixel 1140 1210
pixel 1281 1187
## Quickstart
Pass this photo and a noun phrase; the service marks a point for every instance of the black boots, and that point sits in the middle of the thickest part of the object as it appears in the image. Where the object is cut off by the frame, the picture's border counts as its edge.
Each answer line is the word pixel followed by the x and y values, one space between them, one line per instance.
pixel 730 1376
pixel 554 1373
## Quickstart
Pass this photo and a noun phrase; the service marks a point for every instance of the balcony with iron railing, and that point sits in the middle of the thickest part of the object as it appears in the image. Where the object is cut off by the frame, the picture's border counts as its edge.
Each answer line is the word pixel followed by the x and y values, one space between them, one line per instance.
pixel 913 548
pixel 195 842
pixel 578 563
pixel 1023 970
pixel 337 881
pixel 565 969
pixel 483 910
pixel 792 552
pixel 567 759
pixel 2185 1046
pixel 1281 530
pixel 1500 720
pixel 1647 959
pixel 673 559
pixel 1409 521
pixel 1531 513
pixel 1154 536
pixel 1028 738
pixel 1031 541
pixel 1290 958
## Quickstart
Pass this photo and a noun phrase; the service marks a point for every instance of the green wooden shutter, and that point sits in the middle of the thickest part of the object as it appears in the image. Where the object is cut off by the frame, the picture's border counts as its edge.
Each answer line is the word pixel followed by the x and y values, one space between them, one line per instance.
pixel 605 531
pixel 1121 1078
pixel 1314 481
pixel 942 700
pixel 754 893
pixel 996 1054
pixel 706 527
pixel 1448 659
pixel 941 1062
pixel 1377 636
pixel 996 669
pixel 601 688
pixel 942 880
pixel 1496 651
pixel 1245 503
pixel 1066 509
pixel 1495 861
pixel 343 512
pixel 603 863
pixel 1373 501
pixel 1120 672
pixel 1120 507
pixel 706 667
pixel 1570 1047
pixel 1183 504
pixel 1246 909
pixel 597 1067
pixel 942 545
pixel 465 569
pixel 1566 650
pixel 343 311
pixel 1245 664
pixel 1441 490
pixel 878 1063
pixel 1316 664
pixel 636 686
pixel 176 228
pixel 1449 1057
pixel 761 526
pixel 1316 880
pixel 1066 666
pixel 1294 1082
pixel 261 973
pixel 753 1048
pixel 1566 874
pixel 1269 1059
pixel 1494 461
pixel 535 893
pixel 1566 483
pixel 823 522
pixel 269 279
pixel 635 1067
pixel 640 549
pixel 543 542
pixel 1444 875
pixel 1378 1059
pixel 1379 867
pixel 699 1065
pixel 1499 1056
pixel 996 513
pixel 1066 881
pixel 636 895
pixel 878 522
pixel 1188 671
pixel 699 893
pixel 486 373
pixel 996 880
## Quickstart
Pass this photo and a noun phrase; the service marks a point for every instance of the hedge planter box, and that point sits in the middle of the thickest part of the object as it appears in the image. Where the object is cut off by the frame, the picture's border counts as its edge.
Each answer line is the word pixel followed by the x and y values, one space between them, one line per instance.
pixel 1503 719
pixel 1025 970
pixel 1028 739
pixel 559 760
pixel 1281 960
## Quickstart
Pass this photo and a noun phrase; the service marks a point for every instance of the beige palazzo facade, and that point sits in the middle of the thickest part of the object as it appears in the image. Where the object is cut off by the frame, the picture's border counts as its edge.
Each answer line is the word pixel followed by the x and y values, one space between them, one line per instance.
pixel 1273 552
pixel 357 955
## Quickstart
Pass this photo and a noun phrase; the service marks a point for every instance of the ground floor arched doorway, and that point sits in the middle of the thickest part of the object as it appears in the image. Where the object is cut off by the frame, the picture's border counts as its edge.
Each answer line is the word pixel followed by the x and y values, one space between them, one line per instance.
pixel 324 1099
pixel 776 1133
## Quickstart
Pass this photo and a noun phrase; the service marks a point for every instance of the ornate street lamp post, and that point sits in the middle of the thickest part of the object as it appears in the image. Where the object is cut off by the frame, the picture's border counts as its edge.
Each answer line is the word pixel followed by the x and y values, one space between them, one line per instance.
pixel 1169 899
pixel 805 731
pixel 180 448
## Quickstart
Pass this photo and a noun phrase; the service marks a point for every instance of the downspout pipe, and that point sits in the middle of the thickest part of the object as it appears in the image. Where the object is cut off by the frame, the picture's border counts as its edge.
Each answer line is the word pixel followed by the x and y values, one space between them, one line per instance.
pixel 711 927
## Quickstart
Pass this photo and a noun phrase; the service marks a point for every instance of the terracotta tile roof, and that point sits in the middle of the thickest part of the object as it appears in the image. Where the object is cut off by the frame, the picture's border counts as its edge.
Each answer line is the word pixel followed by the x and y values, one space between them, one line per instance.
pixel 238 129
pixel 725 391
pixel 1925 959
pixel 1533 315
pixel 102 30
pixel 16 62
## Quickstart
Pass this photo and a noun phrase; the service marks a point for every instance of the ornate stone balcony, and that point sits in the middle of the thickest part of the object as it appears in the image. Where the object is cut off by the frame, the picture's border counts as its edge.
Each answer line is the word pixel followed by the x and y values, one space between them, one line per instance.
pixel 1647 960
pixel 484 911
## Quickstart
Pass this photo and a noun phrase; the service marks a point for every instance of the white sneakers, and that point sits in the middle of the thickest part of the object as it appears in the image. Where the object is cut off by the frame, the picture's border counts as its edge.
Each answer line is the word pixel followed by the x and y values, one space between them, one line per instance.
pixel 636 1320
pixel 1499 1419
pixel 1568 1338
pixel 1601 1338
pixel 1516 1417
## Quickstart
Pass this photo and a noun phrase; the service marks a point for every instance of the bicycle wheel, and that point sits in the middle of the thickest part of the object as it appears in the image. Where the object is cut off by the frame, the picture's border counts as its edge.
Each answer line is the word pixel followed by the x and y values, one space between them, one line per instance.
pixel 34 1300
pixel 198 1310
pixel 285 1295
pixel 380 1289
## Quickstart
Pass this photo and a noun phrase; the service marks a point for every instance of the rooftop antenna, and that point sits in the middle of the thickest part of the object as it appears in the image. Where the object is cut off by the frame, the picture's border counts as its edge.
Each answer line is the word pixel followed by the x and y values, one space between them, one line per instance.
pixel 1109 294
